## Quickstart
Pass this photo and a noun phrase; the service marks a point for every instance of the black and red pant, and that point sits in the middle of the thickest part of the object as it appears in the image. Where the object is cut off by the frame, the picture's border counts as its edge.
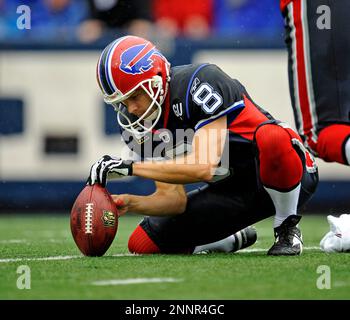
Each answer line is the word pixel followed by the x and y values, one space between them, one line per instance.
pixel 217 210
pixel 318 42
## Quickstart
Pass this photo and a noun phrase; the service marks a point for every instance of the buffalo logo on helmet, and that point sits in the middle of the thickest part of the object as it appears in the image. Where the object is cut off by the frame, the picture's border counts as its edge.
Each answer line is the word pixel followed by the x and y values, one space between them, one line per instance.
pixel 137 59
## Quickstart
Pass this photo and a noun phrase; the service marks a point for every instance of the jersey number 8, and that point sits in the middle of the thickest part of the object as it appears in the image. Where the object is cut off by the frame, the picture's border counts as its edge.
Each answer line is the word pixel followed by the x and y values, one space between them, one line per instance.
pixel 208 99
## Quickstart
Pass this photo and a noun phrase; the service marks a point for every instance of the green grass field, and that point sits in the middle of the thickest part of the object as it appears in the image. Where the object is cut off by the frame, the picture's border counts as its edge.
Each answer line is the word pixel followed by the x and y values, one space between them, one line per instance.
pixel 30 239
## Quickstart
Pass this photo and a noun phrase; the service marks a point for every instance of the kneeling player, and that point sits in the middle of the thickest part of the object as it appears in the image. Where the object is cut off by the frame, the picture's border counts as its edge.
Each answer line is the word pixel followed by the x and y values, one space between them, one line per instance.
pixel 254 167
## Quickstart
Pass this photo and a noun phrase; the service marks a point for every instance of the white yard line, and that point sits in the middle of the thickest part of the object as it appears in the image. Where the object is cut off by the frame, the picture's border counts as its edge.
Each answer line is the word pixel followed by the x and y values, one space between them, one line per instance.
pixel 7 260
pixel 116 282
pixel 341 284
pixel 58 258
pixel 39 259
pixel 124 255
pixel 10 241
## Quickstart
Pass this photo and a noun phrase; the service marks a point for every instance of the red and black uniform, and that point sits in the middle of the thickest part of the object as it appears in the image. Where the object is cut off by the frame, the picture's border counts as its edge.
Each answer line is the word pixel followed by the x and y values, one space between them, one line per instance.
pixel 259 152
pixel 318 41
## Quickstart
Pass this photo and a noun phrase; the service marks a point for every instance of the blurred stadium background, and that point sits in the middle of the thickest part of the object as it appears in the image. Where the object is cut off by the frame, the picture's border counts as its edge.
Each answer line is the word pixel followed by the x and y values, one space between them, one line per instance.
pixel 53 122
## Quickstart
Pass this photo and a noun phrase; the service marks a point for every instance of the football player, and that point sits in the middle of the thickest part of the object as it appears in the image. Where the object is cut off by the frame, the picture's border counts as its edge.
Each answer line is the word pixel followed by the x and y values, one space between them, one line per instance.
pixel 204 127
pixel 317 37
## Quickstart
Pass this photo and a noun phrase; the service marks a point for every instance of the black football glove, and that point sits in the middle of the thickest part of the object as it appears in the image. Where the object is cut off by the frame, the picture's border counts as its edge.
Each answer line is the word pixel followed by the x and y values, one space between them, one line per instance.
pixel 109 166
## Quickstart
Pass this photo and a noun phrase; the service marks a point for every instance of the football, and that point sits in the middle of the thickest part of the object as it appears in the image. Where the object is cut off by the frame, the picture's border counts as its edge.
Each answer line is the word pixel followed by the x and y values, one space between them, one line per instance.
pixel 94 220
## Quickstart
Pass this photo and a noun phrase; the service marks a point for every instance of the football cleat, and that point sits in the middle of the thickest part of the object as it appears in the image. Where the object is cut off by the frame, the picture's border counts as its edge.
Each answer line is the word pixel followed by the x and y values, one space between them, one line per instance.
pixel 244 238
pixel 288 238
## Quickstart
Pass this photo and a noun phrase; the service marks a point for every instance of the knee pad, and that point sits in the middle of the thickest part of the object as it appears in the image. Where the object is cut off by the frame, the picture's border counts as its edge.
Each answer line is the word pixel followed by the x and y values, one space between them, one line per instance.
pixel 331 143
pixel 280 167
pixel 140 242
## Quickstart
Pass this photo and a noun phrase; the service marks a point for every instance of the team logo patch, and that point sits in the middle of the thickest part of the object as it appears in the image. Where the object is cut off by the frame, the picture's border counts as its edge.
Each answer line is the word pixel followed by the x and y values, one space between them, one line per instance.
pixel 136 60
pixel 177 107
pixel 108 218
pixel 195 84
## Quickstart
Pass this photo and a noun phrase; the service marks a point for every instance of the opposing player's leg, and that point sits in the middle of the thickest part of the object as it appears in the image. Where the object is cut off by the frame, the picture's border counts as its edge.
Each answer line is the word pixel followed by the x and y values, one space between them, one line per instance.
pixel 319 74
pixel 333 143
pixel 284 164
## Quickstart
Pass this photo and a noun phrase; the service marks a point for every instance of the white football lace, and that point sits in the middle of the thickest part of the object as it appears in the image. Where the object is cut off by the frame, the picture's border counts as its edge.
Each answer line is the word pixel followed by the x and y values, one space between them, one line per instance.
pixel 88 217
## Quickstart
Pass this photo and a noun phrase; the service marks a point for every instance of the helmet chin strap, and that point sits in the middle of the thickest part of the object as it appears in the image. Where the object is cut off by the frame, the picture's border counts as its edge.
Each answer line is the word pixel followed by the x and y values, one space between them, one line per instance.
pixel 153 115
pixel 136 128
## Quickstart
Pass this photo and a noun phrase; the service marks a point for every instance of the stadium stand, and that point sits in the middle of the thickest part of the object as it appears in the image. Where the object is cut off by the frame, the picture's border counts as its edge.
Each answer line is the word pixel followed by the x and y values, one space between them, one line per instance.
pixel 49 98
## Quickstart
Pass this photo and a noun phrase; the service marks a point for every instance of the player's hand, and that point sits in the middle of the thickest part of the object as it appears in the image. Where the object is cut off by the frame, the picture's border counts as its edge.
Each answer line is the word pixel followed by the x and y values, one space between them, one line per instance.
pixel 111 167
pixel 122 202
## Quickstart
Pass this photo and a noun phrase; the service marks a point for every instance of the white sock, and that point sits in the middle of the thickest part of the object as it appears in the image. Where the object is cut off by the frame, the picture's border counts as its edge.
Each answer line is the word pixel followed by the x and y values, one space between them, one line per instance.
pixel 224 245
pixel 285 203
pixel 347 150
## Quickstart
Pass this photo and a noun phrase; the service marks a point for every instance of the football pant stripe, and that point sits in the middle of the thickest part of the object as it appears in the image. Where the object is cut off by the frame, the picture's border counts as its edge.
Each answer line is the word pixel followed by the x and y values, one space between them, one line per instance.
pixel 302 77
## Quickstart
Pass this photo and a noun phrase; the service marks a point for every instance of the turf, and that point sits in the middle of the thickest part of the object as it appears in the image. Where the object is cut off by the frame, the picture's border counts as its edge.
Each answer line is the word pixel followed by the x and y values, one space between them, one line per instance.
pixel 244 275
